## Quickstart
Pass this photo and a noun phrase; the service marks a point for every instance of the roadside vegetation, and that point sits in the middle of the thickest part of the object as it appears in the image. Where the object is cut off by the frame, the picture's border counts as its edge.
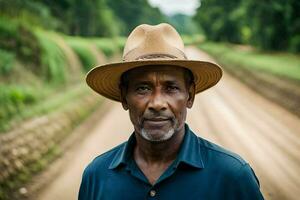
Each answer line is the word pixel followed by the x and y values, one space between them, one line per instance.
pixel 42 76
pixel 280 64
pixel 266 25
pixel 275 75
pixel 34 69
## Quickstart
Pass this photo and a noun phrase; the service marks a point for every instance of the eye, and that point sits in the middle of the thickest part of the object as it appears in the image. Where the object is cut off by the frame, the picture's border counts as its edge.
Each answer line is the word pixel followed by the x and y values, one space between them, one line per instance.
pixel 142 89
pixel 172 88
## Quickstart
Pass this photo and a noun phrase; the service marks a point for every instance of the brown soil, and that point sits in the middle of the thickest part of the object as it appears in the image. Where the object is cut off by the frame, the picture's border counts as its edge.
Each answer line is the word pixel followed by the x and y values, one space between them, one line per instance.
pixel 285 92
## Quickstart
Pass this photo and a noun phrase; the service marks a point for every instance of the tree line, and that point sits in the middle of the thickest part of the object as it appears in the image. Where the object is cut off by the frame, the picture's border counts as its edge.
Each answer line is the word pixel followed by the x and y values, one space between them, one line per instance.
pixel 84 18
pixel 267 24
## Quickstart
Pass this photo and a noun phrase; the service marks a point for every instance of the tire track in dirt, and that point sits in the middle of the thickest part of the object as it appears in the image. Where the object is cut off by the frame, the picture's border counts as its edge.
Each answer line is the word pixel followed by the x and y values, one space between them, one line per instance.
pixel 267 133
pixel 266 128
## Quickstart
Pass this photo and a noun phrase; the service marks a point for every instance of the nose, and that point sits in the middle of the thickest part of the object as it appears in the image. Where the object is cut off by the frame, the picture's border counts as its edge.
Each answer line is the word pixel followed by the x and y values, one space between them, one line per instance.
pixel 157 102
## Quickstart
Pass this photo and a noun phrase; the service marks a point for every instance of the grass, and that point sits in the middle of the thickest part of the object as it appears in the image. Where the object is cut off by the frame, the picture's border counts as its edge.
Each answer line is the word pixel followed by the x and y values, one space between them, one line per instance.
pixel 192 39
pixel 109 46
pixel 285 65
pixel 121 43
pixel 24 95
pixel 53 59
pixel 21 89
pixel 14 99
pixel 25 102
pixel 82 49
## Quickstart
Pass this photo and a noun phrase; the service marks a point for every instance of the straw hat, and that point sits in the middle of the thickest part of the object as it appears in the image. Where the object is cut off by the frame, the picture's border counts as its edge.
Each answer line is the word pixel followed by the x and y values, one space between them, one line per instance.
pixel 147 46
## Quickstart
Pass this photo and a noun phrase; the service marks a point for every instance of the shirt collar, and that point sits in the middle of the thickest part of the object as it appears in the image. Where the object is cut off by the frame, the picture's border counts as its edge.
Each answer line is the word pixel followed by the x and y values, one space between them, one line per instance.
pixel 189 152
pixel 124 154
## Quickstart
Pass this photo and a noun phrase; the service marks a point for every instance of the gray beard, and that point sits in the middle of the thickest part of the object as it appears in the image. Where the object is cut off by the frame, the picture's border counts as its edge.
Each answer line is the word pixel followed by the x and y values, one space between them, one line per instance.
pixel 166 136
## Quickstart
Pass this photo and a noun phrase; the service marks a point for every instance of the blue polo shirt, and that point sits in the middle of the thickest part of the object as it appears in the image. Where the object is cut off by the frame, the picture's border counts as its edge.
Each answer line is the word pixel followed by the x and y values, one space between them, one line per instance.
pixel 202 170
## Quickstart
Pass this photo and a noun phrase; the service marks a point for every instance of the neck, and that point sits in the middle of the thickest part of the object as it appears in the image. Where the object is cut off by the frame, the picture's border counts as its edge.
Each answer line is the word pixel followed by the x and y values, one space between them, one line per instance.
pixel 158 152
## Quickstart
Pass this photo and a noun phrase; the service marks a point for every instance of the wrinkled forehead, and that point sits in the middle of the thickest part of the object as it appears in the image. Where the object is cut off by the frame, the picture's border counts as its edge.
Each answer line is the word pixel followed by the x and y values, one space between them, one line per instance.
pixel 159 71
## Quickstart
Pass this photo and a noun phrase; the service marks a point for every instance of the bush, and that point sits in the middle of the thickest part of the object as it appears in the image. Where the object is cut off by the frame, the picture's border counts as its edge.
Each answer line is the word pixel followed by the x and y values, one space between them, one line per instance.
pixel 15 37
pixel 295 44
pixel 6 61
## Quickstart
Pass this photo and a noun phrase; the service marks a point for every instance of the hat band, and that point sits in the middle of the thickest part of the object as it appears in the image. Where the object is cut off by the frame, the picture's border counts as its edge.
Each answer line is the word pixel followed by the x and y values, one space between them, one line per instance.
pixel 173 53
pixel 156 56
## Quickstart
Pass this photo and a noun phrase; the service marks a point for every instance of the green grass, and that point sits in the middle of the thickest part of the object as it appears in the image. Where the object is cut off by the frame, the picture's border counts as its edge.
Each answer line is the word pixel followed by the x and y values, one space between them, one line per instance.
pixel 59 98
pixel 192 39
pixel 18 103
pixel 26 89
pixel 82 49
pixel 109 46
pixel 120 41
pixel 14 99
pixel 53 58
pixel 280 64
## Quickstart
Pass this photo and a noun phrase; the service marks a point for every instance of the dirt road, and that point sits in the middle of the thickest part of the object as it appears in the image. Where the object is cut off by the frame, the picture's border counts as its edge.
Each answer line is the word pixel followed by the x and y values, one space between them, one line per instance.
pixel 231 115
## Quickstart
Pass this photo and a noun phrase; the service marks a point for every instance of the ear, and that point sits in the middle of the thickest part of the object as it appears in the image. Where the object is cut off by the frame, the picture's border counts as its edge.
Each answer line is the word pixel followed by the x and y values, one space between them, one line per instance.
pixel 123 98
pixel 191 95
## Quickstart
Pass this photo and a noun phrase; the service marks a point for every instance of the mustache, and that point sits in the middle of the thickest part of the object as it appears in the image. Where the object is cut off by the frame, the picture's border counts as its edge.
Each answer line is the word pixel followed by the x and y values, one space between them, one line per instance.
pixel 148 115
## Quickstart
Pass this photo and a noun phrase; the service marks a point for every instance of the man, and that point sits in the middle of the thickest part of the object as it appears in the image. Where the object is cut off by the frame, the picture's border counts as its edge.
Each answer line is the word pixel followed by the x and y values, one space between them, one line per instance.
pixel 163 158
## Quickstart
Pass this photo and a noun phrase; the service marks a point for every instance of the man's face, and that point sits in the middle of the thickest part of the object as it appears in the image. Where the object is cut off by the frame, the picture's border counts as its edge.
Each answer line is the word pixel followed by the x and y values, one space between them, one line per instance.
pixel 157 98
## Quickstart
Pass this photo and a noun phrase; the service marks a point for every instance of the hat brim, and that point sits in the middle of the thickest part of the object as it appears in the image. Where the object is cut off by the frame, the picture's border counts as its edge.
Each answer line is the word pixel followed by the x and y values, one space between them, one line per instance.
pixel 105 79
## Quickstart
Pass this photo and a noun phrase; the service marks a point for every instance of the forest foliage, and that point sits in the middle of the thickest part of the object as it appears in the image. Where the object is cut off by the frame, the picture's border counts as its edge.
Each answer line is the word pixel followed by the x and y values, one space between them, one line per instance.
pixel 268 25
pixel 84 18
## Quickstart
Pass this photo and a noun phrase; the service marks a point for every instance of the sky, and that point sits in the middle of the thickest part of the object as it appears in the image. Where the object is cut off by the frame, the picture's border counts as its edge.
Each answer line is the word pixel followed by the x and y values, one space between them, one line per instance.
pixel 170 7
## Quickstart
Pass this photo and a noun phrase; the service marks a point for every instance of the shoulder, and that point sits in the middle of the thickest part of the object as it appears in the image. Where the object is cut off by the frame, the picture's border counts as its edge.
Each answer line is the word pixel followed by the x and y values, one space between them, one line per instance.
pixel 96 171
pixel 232 171
pixel 217 156
pixel 102 162
pixel 230 166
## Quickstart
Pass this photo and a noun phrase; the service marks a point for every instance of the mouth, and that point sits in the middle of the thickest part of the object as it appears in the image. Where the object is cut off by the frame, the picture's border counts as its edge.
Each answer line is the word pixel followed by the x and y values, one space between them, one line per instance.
pixel 157 121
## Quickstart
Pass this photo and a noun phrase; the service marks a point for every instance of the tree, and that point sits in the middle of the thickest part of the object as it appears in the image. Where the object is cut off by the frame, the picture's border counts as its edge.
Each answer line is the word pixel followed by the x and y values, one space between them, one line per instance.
pixel 135 12
pixel 219 20
pixel 184 24
pixel 268 21
pixel 85 18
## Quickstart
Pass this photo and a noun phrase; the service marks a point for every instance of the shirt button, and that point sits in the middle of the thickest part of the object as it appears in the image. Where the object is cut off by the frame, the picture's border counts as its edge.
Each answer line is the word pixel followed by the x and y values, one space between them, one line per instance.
pixel 152 193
